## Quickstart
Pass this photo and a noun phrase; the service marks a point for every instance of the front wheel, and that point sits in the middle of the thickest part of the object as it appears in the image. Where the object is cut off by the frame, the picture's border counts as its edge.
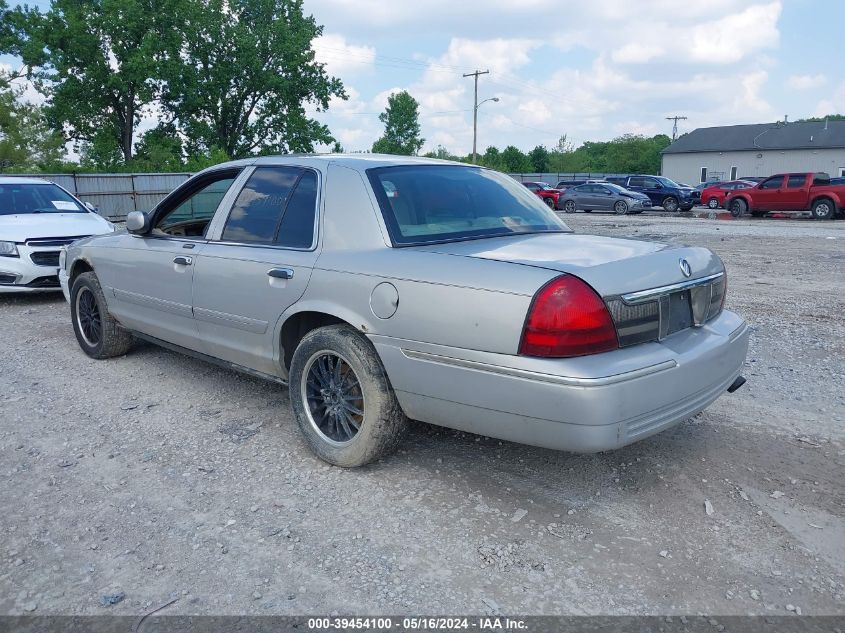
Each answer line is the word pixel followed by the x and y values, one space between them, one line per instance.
pixel 823 209
pixel 738 207
pixel 98 334
pixel 713 203
pixel 549 203
pixel 670 204
pixel 342 399
pixel 620 208
pixel 569 206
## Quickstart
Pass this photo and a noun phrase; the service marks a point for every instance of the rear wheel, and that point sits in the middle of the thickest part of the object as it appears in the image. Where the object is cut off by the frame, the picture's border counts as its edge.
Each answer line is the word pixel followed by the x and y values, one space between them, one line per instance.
pixel 569 206
pixel 713 203
pixel 98 334
pixel 823 209
pixel 738 207
pixel 342 399
pixel 670 204
pixel 620 208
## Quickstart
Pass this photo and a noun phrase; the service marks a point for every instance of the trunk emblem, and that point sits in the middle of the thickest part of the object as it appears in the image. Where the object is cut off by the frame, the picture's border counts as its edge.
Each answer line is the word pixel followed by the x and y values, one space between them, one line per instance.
pixel 685 267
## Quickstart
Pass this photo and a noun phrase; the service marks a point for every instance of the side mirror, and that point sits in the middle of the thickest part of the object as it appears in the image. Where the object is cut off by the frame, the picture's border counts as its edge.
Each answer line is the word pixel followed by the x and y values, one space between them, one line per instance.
pixel 91 207
pixel 137 222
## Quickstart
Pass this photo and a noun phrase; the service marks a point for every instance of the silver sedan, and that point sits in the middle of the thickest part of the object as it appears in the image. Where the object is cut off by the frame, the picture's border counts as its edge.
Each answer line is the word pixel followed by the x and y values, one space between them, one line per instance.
pixel 603 196
pixel 381 289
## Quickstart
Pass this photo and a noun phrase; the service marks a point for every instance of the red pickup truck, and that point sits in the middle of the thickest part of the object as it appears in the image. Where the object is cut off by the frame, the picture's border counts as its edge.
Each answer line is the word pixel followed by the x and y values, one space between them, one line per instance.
pixel 811 192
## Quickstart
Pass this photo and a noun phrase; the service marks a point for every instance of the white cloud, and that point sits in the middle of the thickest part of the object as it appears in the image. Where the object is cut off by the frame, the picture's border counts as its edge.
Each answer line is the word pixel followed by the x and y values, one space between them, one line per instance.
pixel 340 57
pixel 638 52
pixel 734 36
pixel 806 82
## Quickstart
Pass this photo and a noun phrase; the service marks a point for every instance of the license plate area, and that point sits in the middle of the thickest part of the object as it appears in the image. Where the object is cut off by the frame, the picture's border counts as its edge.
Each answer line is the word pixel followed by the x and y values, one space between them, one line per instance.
pixel 675 313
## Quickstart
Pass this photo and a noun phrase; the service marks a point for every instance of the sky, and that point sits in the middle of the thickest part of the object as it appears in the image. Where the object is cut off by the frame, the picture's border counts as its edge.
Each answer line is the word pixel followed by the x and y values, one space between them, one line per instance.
pixel 591 70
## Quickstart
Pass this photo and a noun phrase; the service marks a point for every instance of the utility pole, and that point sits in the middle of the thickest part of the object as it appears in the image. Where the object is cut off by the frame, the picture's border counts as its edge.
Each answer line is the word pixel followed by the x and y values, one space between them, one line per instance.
pixel 675 126
pixel 475 112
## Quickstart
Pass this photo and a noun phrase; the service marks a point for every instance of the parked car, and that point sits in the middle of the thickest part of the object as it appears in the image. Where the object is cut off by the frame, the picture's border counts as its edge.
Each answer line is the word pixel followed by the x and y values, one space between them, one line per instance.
pixel 563 185
pixel 806 191
pixel 603 197
pixel 837 181
pixel 661 191
pixel 37 218
pixel 714 196
pixel 383 288
pixel 545 192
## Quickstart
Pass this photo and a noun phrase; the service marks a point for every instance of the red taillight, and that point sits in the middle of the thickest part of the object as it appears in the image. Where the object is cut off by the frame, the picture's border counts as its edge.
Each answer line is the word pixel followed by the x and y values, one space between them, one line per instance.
pixel 567 318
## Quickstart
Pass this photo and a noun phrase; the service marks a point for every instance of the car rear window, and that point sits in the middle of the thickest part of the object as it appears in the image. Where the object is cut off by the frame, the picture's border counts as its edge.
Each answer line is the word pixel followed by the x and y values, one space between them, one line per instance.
pixel 27 198
pixel 422 204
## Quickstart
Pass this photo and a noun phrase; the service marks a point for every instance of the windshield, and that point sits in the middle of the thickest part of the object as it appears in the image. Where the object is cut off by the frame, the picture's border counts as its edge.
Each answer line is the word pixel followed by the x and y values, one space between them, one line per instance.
pixel 36 198
pixel 422 204
pixel 669 183
pixel 616 188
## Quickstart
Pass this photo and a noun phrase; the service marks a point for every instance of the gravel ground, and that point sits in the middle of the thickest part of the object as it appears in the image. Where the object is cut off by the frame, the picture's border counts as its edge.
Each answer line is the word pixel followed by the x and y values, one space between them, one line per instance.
pixel 155 476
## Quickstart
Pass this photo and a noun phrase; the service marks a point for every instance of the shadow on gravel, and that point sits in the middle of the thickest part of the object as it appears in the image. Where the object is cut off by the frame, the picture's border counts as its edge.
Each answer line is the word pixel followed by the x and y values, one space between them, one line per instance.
pixel 31 299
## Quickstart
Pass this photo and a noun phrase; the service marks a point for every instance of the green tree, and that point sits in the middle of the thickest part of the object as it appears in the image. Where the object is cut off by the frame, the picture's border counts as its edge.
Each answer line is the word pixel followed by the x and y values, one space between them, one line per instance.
pixel 401 126
pixel 244 76
pixel 827 117
pixel 492 158
pixel 539 157
pixel 159 149
pixel 98 62
pixel 442 153
pixel 514 161
pixel 26 139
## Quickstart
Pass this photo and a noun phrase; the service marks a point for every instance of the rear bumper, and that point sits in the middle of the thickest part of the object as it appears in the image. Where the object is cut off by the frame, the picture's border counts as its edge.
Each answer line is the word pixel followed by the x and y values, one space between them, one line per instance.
pixel 587 404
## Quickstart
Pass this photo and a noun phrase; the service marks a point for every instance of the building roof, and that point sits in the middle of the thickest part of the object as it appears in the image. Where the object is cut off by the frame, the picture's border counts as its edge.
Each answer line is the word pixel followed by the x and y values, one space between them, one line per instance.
pixel 762 136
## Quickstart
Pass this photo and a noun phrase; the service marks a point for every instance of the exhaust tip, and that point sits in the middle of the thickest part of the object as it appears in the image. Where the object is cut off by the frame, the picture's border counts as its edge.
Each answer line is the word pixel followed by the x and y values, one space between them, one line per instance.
pixel 736 384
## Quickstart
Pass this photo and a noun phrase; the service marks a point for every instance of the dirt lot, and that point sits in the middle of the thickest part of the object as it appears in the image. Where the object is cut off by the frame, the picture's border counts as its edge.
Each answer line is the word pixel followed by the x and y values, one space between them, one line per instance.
pixel 163 477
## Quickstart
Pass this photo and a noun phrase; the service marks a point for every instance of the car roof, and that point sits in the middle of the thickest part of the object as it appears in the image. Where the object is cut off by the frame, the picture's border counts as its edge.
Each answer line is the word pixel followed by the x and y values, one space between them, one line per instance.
pixel 359 162
pixel 19 180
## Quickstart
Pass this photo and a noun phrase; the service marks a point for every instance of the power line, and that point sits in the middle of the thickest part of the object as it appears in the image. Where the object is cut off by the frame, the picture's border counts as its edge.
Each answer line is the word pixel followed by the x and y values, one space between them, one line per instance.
pixel 475 111
pixel 675 118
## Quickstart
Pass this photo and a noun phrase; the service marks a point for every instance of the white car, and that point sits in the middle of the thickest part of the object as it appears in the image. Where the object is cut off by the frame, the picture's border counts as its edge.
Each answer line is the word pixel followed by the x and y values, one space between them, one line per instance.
pixel 37 219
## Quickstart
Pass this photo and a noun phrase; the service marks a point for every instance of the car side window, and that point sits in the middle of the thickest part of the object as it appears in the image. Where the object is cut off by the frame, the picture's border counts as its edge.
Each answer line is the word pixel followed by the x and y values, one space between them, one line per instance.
pixel 258 210
pixel 297 227
pixel 192 214
pixel 772 183
pixel 636 182
pixel 796 181
pixel 649 183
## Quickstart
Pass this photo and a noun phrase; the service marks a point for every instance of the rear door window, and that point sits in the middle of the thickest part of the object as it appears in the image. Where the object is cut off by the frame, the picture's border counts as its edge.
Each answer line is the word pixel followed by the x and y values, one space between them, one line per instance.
pixel 257 213
pixel 297 226
pixel 796 181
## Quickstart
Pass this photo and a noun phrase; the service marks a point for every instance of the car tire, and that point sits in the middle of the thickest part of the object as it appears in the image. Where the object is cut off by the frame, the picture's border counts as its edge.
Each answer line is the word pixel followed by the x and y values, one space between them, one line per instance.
pixel 823 209
pixel 713 203
pixel 670 204
pixel 738 207
pixel 569 206
pixel 98 334
pixel 549 203
pixel 337 380
pixel 620 208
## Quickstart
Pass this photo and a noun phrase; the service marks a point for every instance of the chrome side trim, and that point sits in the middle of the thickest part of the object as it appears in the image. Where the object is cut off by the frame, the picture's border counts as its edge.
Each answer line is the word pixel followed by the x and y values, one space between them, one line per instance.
pixel 154 303
pixel 654 293
pixel 570 381
pixel 254 326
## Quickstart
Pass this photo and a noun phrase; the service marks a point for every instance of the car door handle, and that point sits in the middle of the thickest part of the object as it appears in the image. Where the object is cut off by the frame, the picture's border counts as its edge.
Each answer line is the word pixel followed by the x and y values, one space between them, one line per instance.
pixel 281 273
pixel 181 260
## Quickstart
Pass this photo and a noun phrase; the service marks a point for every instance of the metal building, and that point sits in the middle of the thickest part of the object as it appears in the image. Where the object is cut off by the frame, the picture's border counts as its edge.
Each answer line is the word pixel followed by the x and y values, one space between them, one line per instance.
pixel 735 151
